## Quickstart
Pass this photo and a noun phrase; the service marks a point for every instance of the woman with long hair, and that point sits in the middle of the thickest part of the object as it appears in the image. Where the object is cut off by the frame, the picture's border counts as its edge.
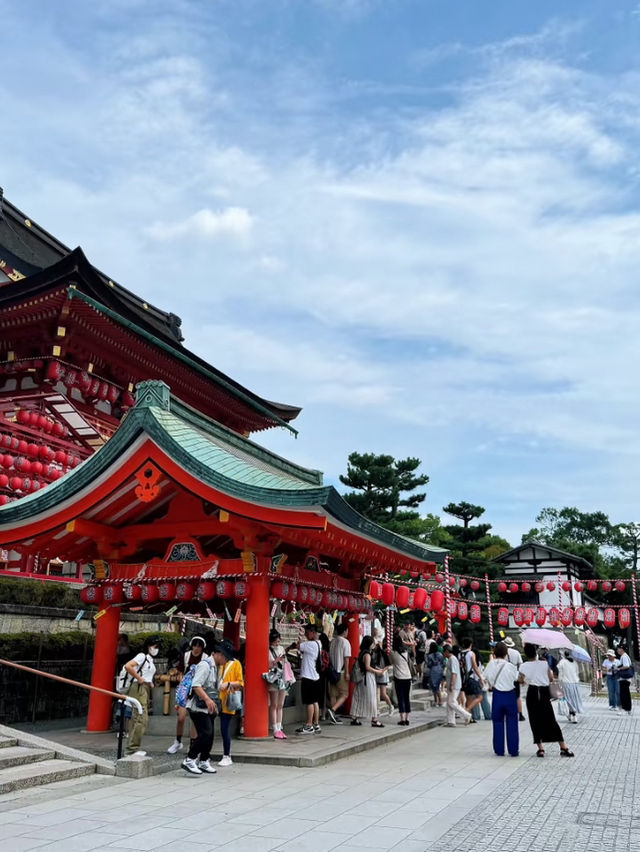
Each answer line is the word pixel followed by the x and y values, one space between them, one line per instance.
pixel 402 678
pixel 381 660
pixel 277 690
pixel 365 700
pixel 537 674
pixel 625 674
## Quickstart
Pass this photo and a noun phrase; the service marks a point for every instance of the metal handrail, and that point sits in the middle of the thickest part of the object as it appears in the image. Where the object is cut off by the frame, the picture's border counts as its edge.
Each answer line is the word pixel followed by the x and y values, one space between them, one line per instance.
pixel 125 699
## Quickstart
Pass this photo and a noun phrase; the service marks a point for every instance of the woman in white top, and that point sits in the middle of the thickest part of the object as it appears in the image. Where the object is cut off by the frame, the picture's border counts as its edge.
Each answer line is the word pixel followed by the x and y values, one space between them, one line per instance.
pixel 544 726
pixel 625 675
pixel 277 690
pixel 501 676
pixel 402 678
pixel 569 677
pixel 364 702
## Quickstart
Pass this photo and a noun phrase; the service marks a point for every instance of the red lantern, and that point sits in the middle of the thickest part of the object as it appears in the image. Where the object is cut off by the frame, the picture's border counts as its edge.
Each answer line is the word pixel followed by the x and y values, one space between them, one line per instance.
pixel 609 617
pixel 439 578
pixel 551 585
pixel 518 616
pixel 280 590
pixel 437 600
pixel 22 447
pixel 55 371
pixel 513 587
pixel 388 594
pixel 45 453
pixel 539 587
pixel 58 430
pixel 206 590
pixel 452 581
pixel 606 586
pixel 620 586
pixel 419 598
pixel 91 594
pixel 150 593
pixel 16 483
pixel 592 585
pixel 592 617
pixel 84 381
pixel 113 594
pixel 463 582
pixel 32 450
pixel 132 591
pixel 375 590
pixel 185 591
pixel 242 589
pixel 167 591
pixel 578 586
pixel 23 417
pixel 579 616
pixel 36 468
pixel 475 585
pixel 293 592
pixel 526 587
pixel 474 614
pixel 541 616
pixel 463 610
pixel 529 615
pixel 554 616
pixel 303 594
pixel 4 499
pixel 61 458
pixel 566 586
pixel 103 390
pixel 7 461
pixel 128 400
pixel 222 589
pixel 321 598
pixel 112 393
pixel 453 608
pixel 402 597
pixel 502 587
pixel 503 616
pixel 22 464
pixel 34 485
pixel 566 616
pixel 4 480
pixel 624 617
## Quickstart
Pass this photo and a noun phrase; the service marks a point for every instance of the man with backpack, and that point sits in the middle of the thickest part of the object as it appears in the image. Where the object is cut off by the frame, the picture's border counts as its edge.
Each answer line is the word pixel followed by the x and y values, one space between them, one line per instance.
pixel 190 659
pixel 203 706
pixel 310 683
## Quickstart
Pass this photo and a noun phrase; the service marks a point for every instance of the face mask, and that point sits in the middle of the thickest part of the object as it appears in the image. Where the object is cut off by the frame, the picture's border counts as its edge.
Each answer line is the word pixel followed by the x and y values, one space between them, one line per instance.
pixel 153 652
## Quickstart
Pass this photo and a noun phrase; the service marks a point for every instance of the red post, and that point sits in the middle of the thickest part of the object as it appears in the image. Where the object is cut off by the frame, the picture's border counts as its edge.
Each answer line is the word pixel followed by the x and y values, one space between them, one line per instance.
pixel 104 669
pixel 353 635
pixel 231 631
pixel 256 715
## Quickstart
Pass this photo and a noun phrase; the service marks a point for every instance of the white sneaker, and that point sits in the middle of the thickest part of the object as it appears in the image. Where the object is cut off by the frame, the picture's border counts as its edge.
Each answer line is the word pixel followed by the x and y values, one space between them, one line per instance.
pixel 392 711
pixel 226 761
pixel 139 754
pixel 191 766
pixel 205 766
pixel 175 747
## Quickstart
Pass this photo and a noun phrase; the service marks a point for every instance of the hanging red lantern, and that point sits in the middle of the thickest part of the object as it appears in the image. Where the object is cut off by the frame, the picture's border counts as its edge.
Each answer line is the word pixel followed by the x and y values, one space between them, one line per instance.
pixel 420 598
pixel 45 453
pixel 566 586
pixel 103 390
pixel 36 468
pixel 452 581
pixel 4 480
pixel 402 597
pixel 551 586
pixel 463 610
pixel 150 593
pixel 293 592
pixel 71 378
pixel 592 585
pixel 554 616
pixel 578 586
pixel 7 461
pixel 91 594
pixel 609 617
pixel 437 600
pixel 55 371
pixel 475 585
pixel 624 617
pixel 185 591
pixel 606 586
pixel 22 464
pixel 566 616
pixel 539 587
pixel 463 582
pixel 128 400
pixel 222 589
pixel 518 616
pixel 439 578
pixel 242 589
pixel 541 616
pixel 475 614
pixel 503 616
pixel 620 586
pixel 4 499
pixel 341 601
pixel 303 594
pixel 502 587
pixel 58 430
pixel 112 393
pixel 113 594
pixel 167 591
pixel 375 590
pixel 529 615
pixel 61 458
pixel 16 483
pixel 206 590
pixel 579 616
pixel 22 447
pixel 453 608
pixel 513 587
pixel 32 451
pixel 34 486
pixel 280 590
pixel 592 617
pixel 132 591
pixel 388 594
pixel 413 573
pixel 526 587
pixel 23 417
pixel 322 600
pixel 84 381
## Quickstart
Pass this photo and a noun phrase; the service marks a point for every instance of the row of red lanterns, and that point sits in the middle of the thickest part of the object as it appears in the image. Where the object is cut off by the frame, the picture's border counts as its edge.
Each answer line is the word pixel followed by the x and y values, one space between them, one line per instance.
pixel 36 420
pixel 40 468
pixel 404 598
pixel 414 573
pixel 565 616
pixel 579 586
pixel 288 590
pixel 88 384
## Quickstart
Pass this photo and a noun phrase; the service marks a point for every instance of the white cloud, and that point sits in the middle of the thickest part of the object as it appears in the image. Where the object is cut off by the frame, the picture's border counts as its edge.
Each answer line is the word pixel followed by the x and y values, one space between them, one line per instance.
pixel 233 222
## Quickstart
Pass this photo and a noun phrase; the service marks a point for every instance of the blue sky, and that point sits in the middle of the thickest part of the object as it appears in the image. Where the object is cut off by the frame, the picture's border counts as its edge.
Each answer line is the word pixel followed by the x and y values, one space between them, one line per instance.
pixel 419 220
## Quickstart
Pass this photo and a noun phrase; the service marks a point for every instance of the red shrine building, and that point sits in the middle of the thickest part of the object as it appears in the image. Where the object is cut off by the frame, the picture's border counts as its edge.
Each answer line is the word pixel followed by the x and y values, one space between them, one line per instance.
pixel 122 450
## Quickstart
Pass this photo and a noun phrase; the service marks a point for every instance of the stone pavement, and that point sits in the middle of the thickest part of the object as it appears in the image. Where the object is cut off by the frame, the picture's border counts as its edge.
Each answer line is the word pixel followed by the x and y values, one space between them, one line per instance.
pixel 442 790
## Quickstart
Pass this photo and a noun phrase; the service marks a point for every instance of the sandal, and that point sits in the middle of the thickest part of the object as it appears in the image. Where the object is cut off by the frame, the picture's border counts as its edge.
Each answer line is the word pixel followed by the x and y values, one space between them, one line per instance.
pixel 540 752
pixel 355 722
pixel 565 752
pixel 377 724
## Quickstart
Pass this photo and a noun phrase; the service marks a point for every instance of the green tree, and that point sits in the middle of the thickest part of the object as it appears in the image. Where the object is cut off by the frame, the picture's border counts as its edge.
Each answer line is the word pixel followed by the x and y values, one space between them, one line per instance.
pixel 471 546
pixel 465 511
pixel 384 487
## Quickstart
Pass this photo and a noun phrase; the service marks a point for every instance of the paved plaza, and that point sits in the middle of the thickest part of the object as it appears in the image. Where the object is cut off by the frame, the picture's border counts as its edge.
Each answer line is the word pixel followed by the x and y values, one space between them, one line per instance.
pixel 442 789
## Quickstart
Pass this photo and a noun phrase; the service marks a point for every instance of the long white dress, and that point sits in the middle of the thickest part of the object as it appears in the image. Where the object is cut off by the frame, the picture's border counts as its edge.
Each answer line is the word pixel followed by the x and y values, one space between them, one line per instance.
pixel 364 703
pixel 570 679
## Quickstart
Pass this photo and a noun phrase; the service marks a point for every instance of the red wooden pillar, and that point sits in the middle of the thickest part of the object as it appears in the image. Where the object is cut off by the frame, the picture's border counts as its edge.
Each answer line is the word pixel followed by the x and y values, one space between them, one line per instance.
pixel 231 631
pixel 256 714
pixel 104 669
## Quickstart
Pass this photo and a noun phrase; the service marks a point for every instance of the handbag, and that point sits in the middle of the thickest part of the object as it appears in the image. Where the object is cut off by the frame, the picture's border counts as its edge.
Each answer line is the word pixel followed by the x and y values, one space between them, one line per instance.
pixel 555 690
pixel 234 702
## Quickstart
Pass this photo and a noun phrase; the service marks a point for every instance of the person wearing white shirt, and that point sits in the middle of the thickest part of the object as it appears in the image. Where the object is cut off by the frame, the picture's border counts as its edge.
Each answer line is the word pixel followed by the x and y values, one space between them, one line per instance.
pixel 609 667
pixel 537 675
pixel 514 656
pixel 340 656
pixel 453 682
pixel 625 675
pixel 501 675
pixel 569 677
pixel 310 679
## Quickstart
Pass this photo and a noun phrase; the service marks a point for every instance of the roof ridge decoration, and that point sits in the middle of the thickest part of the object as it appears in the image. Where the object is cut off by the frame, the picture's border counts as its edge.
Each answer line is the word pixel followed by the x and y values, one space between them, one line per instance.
pixel 153 393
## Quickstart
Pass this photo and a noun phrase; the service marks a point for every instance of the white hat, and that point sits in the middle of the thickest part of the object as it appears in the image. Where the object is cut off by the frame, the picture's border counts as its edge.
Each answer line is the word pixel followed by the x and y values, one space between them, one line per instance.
pixel 509 642
pixel 611 653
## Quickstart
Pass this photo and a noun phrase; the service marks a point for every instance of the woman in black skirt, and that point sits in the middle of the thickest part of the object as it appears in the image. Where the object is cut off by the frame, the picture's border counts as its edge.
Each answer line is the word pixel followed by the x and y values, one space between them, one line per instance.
pixel 544 726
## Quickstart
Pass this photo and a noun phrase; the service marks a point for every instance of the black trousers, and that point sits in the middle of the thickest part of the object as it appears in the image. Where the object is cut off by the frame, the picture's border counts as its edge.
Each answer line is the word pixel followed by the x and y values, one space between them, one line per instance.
pixel 625 694
pixel 403 690
pixel 201 746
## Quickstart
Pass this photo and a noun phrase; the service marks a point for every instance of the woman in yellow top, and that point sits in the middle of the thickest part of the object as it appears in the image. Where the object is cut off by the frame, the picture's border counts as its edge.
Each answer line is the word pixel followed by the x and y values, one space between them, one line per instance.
pixel 230 686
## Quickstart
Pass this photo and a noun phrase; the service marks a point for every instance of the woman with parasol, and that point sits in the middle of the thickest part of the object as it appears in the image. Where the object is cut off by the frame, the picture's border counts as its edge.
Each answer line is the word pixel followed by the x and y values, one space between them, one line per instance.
pixel 538 676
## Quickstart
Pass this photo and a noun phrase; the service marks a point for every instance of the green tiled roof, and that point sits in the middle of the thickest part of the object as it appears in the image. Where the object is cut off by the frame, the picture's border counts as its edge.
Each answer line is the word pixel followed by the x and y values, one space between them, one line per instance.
pixel 219 457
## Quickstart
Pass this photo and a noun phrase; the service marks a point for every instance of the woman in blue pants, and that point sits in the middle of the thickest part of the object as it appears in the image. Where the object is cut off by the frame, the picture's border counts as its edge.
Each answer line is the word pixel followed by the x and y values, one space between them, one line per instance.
pixel 501 675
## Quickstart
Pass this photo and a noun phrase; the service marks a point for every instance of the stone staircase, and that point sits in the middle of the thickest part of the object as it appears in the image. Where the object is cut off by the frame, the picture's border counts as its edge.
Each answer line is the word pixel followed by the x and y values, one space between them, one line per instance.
pixel 26 765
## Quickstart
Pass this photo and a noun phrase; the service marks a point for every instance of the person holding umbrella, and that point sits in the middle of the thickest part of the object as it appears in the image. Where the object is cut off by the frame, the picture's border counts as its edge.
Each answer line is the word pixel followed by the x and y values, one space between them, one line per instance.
pixel 538 676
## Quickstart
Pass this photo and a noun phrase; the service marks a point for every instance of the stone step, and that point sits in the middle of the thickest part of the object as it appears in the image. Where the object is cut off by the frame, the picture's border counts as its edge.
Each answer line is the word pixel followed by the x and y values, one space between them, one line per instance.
pixel 8 742
pixel 34 774
pixel 18 755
